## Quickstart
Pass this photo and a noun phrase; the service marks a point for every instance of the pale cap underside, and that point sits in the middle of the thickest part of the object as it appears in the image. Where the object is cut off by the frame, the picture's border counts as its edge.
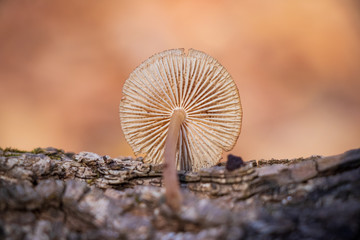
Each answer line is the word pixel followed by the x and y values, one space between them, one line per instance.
pixel 194 82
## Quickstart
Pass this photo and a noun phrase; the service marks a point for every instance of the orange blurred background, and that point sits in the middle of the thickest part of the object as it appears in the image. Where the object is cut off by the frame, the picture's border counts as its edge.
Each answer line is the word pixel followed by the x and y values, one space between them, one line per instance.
pixel 296 64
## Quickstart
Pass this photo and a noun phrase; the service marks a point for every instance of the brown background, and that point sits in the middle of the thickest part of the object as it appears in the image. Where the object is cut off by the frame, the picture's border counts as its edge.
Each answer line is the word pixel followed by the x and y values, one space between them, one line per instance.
pixel 296 64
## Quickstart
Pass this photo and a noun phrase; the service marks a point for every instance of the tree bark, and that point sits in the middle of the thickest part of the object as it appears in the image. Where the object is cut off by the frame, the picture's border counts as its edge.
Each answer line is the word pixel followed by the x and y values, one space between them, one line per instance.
pixel 50 194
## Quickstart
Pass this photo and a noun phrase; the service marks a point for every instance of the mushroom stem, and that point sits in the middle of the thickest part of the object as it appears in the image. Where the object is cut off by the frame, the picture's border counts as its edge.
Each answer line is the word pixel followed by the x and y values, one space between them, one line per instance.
pixel 171 181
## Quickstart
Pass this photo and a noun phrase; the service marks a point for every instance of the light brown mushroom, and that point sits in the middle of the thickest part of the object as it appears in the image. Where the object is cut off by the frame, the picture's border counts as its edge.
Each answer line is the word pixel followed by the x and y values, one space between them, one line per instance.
pixel 183 109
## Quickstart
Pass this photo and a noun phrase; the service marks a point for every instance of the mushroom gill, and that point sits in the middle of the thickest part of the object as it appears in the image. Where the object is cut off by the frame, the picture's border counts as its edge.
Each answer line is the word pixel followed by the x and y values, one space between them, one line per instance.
pixel 183 110
pixel 195 83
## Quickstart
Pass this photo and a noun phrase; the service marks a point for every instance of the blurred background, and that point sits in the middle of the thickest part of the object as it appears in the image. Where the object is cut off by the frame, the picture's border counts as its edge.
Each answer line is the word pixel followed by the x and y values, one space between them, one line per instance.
pixel 296 65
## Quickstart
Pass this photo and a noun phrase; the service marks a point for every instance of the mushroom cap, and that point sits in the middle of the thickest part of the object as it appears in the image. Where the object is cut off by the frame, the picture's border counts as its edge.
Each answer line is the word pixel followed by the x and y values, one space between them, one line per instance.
pixel 194 82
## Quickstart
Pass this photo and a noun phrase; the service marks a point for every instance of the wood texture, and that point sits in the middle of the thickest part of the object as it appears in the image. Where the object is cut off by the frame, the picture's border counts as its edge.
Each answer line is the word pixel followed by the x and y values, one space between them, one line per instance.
pixel 49 194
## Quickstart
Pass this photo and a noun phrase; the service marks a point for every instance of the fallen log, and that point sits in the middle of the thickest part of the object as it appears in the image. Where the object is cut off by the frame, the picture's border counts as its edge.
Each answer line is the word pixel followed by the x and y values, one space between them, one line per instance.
pixel 51 194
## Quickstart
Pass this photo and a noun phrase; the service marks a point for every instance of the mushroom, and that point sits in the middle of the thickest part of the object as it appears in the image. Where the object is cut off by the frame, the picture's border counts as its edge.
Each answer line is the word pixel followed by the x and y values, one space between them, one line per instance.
pixel 183 109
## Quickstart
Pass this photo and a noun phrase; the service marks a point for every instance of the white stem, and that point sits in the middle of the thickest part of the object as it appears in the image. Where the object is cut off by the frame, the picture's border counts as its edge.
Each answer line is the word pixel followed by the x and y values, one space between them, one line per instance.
pixel 171 181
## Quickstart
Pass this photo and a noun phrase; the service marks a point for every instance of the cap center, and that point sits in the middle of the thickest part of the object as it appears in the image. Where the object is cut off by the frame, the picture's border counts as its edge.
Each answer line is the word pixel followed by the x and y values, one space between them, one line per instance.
pixel 180 114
